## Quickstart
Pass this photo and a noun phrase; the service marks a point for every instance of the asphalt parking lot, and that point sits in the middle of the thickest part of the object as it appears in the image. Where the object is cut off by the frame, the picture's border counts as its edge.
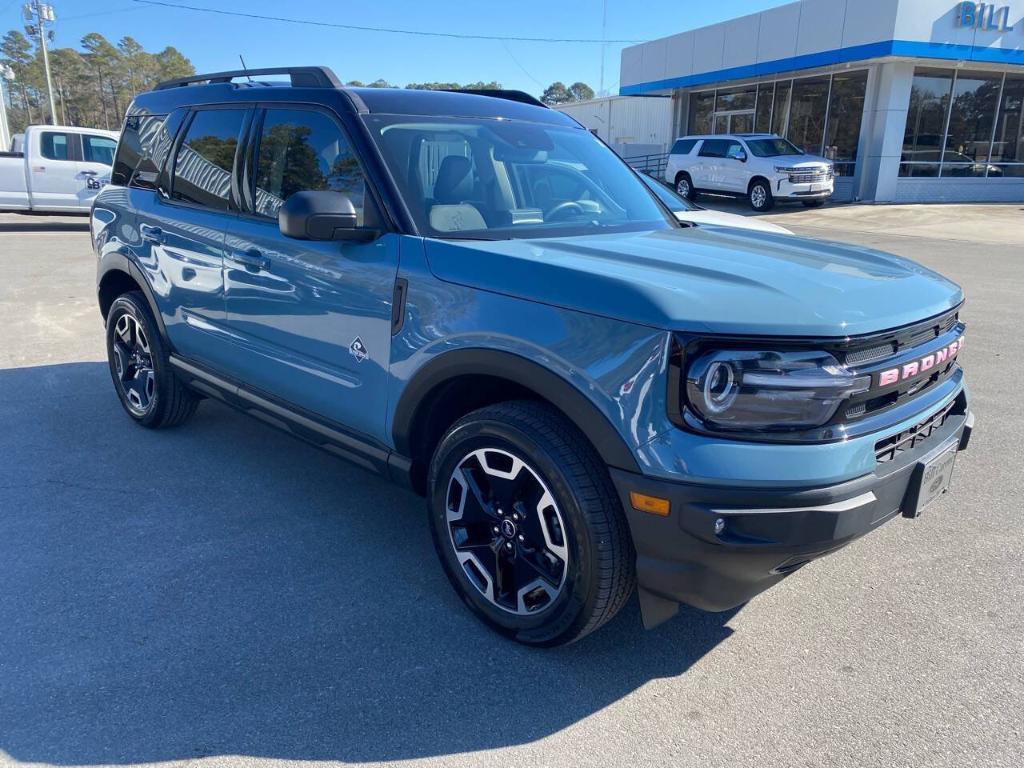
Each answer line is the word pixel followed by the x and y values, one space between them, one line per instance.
pixel 223 593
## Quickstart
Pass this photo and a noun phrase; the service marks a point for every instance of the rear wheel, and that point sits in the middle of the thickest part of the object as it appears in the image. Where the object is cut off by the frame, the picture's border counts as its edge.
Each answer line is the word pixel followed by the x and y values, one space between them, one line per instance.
pixel 527 524
pixel 760 195
pixel 684 186
pixel 140 368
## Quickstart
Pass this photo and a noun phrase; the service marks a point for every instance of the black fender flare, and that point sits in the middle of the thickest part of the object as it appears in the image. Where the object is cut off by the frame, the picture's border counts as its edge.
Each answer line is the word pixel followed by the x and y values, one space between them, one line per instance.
pixel 506 365
pixel 117 261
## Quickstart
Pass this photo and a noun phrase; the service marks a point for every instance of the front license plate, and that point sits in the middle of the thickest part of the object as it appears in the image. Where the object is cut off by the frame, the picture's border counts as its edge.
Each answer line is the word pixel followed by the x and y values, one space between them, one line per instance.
pixel 932 480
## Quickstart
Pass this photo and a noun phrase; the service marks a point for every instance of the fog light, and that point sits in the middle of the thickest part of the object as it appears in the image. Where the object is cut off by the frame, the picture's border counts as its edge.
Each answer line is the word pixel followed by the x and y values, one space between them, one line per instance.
pixel 650 504
pixel 719 525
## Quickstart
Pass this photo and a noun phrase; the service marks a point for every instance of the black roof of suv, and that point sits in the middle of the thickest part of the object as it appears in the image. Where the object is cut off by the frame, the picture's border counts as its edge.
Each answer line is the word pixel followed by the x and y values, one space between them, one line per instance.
pixel 238 85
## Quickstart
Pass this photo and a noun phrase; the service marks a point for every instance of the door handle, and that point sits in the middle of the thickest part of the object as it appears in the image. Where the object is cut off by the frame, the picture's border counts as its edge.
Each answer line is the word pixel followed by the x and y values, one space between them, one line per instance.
pixel 152 234
pixel 251 258
pixel 88 173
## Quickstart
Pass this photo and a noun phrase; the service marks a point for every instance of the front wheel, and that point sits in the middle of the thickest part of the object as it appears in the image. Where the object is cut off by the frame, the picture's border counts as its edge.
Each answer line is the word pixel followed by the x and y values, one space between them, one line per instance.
pixel 761 198
pixel 527 524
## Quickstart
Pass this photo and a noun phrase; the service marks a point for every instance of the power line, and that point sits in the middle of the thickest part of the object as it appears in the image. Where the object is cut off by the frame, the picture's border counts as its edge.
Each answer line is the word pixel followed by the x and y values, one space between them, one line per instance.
pixel 388 30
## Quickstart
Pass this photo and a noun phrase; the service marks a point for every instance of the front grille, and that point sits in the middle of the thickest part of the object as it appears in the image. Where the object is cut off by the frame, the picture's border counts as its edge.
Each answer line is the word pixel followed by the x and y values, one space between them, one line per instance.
pixel 870 355
pixel 891 447
pixel 893 343
pixel 810 176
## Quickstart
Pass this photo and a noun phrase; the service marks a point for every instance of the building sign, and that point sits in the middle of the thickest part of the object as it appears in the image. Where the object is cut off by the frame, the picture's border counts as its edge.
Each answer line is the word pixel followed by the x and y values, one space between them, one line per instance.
pixel 984 16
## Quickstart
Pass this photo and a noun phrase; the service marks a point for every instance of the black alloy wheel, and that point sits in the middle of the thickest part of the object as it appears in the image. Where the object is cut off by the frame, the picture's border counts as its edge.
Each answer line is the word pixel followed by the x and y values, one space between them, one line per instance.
pixel 140 366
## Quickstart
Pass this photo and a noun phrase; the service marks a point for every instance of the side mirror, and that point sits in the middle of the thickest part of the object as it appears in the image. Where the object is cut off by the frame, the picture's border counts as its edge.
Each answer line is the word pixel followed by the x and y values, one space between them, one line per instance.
pixel 742 156
pixel 321 216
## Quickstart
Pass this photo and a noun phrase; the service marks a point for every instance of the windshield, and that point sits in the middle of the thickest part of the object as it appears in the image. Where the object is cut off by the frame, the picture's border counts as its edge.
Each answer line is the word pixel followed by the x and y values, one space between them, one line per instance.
pixel 675 203
pixel 500 179
pixel 772 147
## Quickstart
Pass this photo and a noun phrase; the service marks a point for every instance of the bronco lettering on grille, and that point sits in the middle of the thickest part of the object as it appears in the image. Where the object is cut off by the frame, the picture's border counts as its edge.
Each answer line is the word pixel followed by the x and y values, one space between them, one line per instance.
pixel 921 365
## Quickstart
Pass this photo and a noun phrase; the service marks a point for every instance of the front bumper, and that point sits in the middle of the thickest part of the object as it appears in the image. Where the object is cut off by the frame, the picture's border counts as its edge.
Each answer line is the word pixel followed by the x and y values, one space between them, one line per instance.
pixel 767 533
pixel 784 189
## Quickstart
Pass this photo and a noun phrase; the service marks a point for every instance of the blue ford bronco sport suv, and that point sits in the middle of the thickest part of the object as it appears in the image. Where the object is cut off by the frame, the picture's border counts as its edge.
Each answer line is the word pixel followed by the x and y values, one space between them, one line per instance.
pixel 472 295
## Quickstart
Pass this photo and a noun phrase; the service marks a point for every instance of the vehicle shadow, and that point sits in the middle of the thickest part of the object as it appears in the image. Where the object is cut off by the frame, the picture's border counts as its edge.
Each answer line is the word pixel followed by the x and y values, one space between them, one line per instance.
pixel 222 588
pixel 38 223
pixel 741 207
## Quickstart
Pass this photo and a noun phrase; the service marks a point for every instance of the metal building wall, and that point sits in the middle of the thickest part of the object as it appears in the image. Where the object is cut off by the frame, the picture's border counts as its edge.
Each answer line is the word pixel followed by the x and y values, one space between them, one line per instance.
pixel 631 125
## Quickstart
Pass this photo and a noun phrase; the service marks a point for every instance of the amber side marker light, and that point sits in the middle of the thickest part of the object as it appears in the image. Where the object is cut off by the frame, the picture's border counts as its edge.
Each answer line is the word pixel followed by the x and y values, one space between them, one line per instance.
pixel 650 504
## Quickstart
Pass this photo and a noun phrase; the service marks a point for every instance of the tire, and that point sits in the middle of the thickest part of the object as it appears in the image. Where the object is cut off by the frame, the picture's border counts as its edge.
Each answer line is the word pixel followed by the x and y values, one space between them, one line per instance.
pixel 813 203
pixel 139 366
pixel 760 196
pixel 684 186
pixel 544 573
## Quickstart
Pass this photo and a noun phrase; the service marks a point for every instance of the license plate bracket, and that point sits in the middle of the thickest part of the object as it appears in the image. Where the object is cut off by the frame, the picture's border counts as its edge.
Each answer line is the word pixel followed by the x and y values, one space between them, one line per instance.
pixel 929 481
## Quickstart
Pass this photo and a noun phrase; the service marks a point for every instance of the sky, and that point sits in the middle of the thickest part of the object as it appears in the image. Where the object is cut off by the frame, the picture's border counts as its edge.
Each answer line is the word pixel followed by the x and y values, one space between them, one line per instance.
pixel 214 42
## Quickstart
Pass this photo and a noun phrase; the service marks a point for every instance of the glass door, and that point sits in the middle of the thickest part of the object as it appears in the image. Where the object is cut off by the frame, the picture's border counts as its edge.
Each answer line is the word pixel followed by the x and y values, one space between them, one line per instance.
pixel 736 121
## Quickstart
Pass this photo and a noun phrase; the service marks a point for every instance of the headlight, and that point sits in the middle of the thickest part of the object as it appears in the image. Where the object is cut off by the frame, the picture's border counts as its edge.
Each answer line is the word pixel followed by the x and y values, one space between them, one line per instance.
pixel 766 390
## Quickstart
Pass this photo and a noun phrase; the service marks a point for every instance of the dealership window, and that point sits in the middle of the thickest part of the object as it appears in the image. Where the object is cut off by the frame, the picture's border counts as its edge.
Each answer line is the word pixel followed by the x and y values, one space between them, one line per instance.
pixel 1008 147
pixel 807 110
pixel 702 107
pixel 845 109
pixel 820 114
pixel 780 107
pixel 732 99
pixel 969 136
pixel 926 122
pixel 963 123
pixel 763 112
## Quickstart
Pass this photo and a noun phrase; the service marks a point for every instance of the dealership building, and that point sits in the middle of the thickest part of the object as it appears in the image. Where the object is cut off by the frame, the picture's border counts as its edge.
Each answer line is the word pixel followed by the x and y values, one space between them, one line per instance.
pixel 914 100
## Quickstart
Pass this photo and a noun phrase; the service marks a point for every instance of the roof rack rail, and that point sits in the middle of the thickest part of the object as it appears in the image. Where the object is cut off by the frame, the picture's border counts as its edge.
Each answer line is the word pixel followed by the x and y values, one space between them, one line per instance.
pixel 500 93
pixel 301 77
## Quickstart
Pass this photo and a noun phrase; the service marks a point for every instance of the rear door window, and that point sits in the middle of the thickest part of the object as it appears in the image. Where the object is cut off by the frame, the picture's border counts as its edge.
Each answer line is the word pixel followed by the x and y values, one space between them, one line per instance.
pixel 55 146
pixel 714 148
pixel 204 161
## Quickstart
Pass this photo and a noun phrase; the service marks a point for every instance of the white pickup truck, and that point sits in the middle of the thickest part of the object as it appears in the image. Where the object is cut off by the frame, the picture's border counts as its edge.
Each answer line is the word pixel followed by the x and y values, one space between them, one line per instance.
pixel 60 170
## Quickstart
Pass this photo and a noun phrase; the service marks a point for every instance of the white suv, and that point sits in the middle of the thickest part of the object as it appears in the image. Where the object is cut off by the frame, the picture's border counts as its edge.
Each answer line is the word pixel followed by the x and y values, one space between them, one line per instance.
pixel 760 166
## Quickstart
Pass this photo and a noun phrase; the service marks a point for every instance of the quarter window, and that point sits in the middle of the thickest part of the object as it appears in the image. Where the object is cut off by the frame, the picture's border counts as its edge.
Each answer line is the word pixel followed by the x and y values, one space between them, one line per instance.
pixel 55 146
pixel 683 146
pixel 203 165
pixel 300 151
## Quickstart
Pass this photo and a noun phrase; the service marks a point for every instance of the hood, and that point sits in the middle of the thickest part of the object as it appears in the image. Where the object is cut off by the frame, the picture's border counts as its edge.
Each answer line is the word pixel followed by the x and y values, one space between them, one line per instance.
pixel 712 280
pixel 722 219
pixel 799 161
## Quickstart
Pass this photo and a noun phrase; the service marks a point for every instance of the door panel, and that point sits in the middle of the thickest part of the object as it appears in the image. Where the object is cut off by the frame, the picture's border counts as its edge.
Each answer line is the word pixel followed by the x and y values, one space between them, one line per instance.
pixel 94 167
pixel 734 170
pixel 182 230
pixel 296 317
pixel 311 320
pixel 53 170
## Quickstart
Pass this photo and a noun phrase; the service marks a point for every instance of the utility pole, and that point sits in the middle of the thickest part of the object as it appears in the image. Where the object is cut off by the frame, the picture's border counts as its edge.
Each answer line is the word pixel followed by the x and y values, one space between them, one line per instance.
pixel 604 22
pixel 6 73
pixel 42 14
